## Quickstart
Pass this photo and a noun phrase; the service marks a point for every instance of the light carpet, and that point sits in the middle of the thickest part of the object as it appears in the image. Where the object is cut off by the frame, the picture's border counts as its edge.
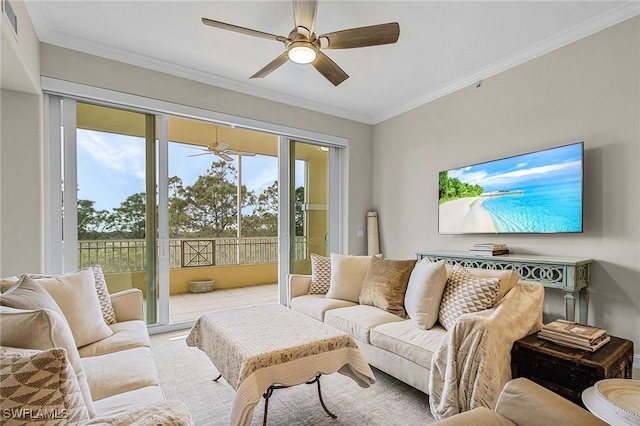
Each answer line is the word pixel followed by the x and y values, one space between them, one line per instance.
pixel 187 374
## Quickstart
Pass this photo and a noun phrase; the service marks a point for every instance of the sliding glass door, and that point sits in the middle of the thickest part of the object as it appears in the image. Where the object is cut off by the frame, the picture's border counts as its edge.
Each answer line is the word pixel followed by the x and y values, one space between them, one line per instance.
pixel 160 201
pixel 109 193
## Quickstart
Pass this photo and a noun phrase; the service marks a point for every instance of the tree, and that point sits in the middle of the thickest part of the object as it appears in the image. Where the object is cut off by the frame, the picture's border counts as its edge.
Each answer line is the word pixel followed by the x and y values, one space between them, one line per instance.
pixel 208 208
pixel 451 188
pixel 263 222
pixel 128 220
pixel 299 211
pixel 91 222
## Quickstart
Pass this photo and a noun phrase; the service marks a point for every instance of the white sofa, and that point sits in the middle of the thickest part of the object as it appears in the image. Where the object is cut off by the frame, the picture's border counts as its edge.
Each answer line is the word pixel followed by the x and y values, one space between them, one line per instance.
pixel 461 368
pixel 116 374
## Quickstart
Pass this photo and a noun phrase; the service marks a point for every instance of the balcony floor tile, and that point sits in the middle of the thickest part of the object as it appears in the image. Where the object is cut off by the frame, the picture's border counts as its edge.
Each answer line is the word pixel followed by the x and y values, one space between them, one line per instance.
pixel 190 306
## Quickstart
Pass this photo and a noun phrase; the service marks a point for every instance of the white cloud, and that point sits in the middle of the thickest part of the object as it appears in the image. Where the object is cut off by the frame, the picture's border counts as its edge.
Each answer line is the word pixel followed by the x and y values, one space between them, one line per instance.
pixel 532 172
pixel 121 156
pixel 260 181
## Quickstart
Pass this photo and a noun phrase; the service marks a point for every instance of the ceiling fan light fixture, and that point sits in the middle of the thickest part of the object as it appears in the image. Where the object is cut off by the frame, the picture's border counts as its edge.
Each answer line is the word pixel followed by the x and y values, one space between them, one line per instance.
pixel 302 52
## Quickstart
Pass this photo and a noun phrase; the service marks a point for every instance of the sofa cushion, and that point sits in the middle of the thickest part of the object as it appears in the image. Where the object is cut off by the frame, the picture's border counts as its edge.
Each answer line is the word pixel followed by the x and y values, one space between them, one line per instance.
pixel 465 293
pixel 126 335
pixel 405 339
pixel 167 413
pixel 315 305
pixel 357 321
pixel 35 382
pixel 125 401
pixel 44 329
pixel 76 295
pixel 103 295
pixel 347 276
pixel 118 372
pixel 386 283
pixel 320 274
pixel 508 278
pixel 424 292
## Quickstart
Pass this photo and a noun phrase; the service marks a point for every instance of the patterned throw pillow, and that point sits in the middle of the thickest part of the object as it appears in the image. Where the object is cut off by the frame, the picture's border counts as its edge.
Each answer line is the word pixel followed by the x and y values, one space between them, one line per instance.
pixel 320 274
pixel 385 284
pixel 39 388
pixel 103 295
pixel 465 293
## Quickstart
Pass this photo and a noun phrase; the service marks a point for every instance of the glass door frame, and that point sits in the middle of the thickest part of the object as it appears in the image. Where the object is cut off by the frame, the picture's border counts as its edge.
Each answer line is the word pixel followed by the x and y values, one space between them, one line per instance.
pixel 336 205
pixel 54 90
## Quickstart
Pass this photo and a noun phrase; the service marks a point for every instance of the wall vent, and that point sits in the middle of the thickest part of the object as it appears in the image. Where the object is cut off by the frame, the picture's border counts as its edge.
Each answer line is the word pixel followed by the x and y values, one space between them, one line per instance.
pixel 11 15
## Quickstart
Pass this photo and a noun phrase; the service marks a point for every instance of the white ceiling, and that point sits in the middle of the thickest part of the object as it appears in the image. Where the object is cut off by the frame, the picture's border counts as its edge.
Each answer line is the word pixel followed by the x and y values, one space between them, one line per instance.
pixel 443 45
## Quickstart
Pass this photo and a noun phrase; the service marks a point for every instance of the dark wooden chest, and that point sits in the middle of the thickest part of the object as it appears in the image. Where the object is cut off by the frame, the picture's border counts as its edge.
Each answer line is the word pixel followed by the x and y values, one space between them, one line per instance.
pixel 566 371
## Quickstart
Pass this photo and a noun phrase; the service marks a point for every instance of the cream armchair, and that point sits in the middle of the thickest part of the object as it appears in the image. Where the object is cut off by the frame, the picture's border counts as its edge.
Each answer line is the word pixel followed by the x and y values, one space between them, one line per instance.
pixel 525 403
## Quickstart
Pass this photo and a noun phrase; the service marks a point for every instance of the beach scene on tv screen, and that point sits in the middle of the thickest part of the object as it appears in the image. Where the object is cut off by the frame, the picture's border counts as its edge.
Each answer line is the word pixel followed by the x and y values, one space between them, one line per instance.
pixel 530 193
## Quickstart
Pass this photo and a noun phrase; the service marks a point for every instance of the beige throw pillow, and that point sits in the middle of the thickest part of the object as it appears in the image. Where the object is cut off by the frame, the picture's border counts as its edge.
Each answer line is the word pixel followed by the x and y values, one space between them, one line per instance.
pixel 40 388
pixel 424 292
pixel 347 276
pixel 320 274
pixel 465 293
pixel 8 282
pixel 27 294
pixel 76 295
pixel 385 284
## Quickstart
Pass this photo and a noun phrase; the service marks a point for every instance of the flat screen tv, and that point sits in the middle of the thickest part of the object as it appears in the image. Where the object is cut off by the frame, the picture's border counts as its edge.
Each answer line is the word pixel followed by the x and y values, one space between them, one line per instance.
pixel 538 192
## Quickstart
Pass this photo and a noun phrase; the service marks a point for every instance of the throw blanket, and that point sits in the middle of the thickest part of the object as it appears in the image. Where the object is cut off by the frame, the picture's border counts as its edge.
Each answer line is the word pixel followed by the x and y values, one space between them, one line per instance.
pixel 473 362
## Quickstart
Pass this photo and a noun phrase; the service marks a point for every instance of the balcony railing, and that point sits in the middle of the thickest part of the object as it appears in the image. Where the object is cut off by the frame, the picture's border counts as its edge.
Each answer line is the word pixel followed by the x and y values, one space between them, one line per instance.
pixel 129 255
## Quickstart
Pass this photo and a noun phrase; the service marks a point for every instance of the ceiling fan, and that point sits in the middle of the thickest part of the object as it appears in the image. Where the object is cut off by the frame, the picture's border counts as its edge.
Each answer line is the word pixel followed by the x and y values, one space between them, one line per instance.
pixel 303 45
pixel 221 150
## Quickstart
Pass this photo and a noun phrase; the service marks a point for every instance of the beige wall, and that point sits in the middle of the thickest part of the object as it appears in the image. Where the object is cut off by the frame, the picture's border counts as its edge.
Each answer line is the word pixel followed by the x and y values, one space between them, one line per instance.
pixel 21 241
pixel 588 91
pixel 20 65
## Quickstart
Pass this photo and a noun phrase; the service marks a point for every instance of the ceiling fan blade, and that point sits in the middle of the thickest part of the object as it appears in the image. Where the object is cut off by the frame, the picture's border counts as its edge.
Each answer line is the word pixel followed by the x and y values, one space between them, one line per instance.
pixel 244 153
pixel 224 156
pixel 304 14
pixel 242 30
pixel 373 35
pixel 221 146
pixel 197 155
pixel 266 70
pixel 329 69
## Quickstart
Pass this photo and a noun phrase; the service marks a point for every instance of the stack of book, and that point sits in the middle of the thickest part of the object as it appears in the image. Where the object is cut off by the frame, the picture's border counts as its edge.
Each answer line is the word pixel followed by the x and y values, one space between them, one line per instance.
pixel 574 335
pixel 489 249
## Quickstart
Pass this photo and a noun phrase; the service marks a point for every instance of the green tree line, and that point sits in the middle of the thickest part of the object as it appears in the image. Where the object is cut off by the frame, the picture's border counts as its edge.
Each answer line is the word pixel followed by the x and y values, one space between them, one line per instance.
pixel 452 188
pixel 206 209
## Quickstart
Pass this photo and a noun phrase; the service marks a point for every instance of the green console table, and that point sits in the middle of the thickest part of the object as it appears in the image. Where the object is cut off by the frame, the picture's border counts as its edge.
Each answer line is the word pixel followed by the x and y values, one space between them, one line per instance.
pixel 571 275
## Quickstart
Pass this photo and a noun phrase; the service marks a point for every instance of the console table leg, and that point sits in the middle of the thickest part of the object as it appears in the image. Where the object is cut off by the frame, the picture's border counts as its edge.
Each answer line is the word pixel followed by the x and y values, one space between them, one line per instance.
pixel 569 306
pixel 583 302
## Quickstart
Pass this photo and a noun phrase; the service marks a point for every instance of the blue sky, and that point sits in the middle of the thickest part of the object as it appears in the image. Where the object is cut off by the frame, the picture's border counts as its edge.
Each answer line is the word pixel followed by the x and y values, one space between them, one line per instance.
pixel 111 167
pixel 562 164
